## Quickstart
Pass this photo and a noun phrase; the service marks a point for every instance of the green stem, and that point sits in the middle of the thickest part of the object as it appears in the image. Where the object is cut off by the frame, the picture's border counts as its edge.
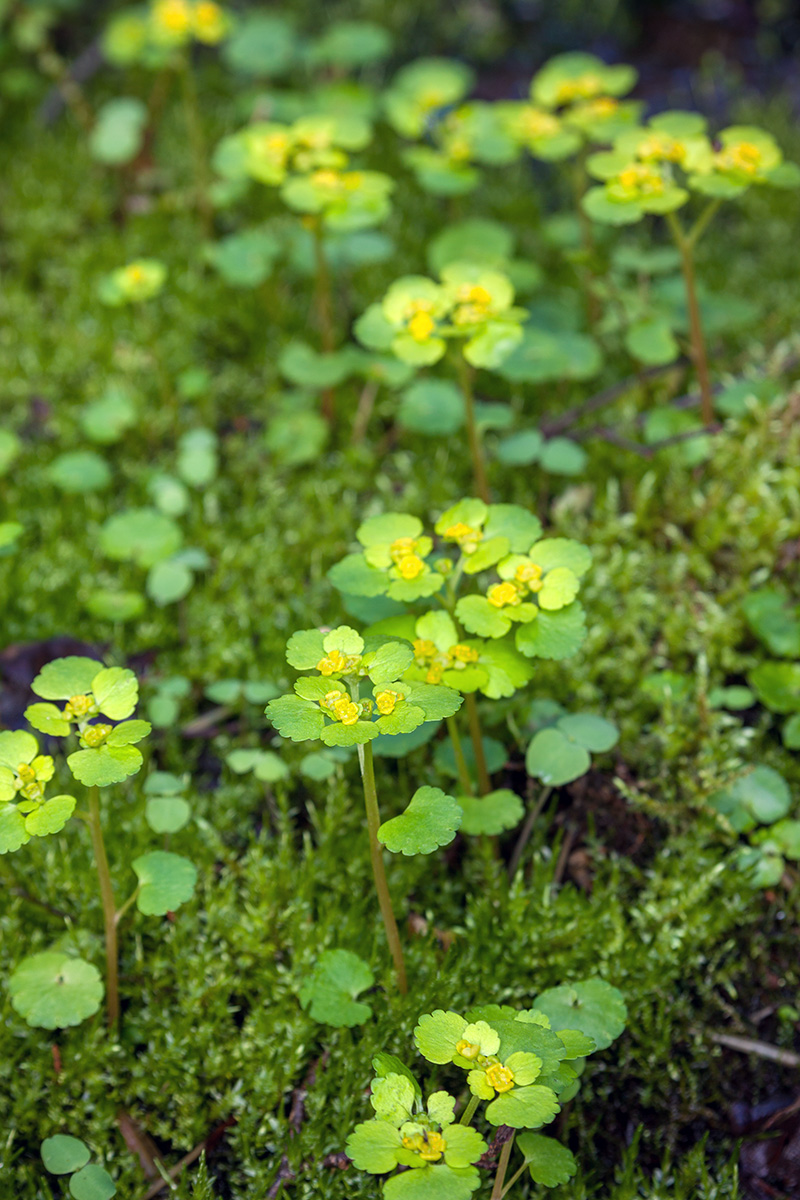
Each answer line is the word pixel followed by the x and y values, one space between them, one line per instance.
pixel 461 762
pixel 580 184
pixel 197 143
pixel 484 782
pixel 502 1166
pixel 473 436
pixel 685 244
pixel 109 908
pixel 470 1110
pixel 323 304
pixel 376 857
pixel 527 830
pixel 513 1180
pixel 120 913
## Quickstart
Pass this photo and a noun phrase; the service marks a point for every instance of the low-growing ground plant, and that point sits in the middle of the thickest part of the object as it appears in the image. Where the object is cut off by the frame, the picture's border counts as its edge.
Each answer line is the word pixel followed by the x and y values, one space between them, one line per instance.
pixel 55 989
pixel 524 1064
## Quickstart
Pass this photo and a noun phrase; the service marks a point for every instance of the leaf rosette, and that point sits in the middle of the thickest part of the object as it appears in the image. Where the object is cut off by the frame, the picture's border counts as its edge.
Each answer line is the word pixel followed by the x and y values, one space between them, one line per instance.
pixel 425 1138
pixel 107 752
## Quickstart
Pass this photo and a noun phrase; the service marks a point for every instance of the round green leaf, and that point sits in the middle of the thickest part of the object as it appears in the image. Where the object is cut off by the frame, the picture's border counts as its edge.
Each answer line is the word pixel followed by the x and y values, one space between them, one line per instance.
pixel 118 131
pixel 553 635
pixel 432 819
pixel 439 1182
pixel 92 1183
pixel 432 406
pixel 107 419
pixel 10 446
pixel 761 796
pixel 524 1107
pixel 80 471
pixel 115 606
pixel 63 1154
pixel 791 733
pixel 777 685
pixel 51 816
pixel 561 456
pixel 165 882
pixel 168 582
pixel 520 449
pixel 141 535
pixel 13 833
pixel 491 814
pixel 555 759
pixel 167 814
pixel 593 1007
pixel 262 44
pixel 66 677
pixel 330 991
pixel 593 733
pixel 549 1162
pixel 53 990
pixel 652 342
pixel 105 765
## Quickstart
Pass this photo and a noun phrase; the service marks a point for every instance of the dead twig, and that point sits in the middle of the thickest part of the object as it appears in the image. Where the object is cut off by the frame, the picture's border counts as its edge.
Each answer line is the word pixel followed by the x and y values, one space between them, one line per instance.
pixel 786 1058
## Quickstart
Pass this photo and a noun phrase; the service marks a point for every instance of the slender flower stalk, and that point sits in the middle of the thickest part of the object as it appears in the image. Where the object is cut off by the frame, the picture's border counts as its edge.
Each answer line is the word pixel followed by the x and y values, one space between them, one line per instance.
pixel 367 766
pixel 465 373
pixel 484 782
pixel 686 243
pixel 109 909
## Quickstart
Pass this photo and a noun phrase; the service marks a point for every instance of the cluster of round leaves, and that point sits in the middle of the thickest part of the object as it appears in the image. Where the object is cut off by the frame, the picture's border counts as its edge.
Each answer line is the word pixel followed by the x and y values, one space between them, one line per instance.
pixel 656 167
pixel 309 160
pixel 523 1064
pixel 758 802
pixel 332 705
pixel 134 283
pixel 151 36
pixel 534 594
pixel 573 99
pixel 775 620
pixel 472 305
pixel 63 1154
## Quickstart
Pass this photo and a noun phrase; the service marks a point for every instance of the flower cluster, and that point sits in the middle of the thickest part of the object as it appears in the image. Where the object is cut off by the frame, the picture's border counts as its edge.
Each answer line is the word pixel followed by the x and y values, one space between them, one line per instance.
pixel 513 1059
pixel 654 169
pixel 424 1138
pixel 132 284
pixel 358 691
pixel 536 589
pixel 471 304
pixel 153 35
pixel 309 161
pixel 107 751
pixel 25 811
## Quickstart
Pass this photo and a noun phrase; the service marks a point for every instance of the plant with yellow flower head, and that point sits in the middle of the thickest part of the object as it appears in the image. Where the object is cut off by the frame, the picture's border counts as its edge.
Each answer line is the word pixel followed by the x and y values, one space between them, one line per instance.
pixel 524 1064
pixel 471 308
pixel 656 170
pixel 359 692
pixel 529 609
pixel 95 711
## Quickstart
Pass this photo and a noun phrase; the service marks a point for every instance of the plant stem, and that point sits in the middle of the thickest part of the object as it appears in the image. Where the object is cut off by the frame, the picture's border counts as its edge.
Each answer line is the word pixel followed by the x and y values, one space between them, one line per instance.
pixel 109 908
pixel 366 403
pixel 376 856
pixel 461 762
pixel 197 143
pixel 51 64
pixel 324 316
pixel 469 1111
pixel 500 1177
pixel 699 354
pixel 484 782
pixel 580 182
pixel 473 436
pixel 527 830
pixel 513 1180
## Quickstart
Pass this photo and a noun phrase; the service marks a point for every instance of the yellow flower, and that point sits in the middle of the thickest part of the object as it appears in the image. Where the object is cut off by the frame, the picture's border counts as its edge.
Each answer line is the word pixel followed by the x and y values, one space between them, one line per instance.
pixel 435 673
pixel 424 649
pixel 31 777
pixel 464 535
pixel 585 87
pixel 499 1077
pixel 637 180
pixel 95 736
pixel 341 708
pixel 660 147
pixel 172 20
pixel 503 594
pixel 421 326
pixel 411 566
pixel 429 1146
pixel 77 707
pixel 741 156
pixel 463 654
pixel 337 662
pixel 529 574
pixel 535 123
pixel 386 702
pixel 210 22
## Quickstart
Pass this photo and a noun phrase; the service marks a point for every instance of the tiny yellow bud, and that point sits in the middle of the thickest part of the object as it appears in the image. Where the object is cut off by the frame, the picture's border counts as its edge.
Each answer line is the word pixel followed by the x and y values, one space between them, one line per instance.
pixel 463 654
pixel 411 566
pixel 503 594
pixel 499 1077
pixel 95 735
pixel 529 574
pixel 386 702
pixel 423 648
pixel 435 673
pixel 467 1049
pixel 421 326
pixel 77 707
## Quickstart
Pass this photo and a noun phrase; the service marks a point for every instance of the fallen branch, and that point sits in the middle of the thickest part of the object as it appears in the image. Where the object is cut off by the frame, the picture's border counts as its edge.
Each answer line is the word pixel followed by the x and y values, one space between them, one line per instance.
pixel 787 1058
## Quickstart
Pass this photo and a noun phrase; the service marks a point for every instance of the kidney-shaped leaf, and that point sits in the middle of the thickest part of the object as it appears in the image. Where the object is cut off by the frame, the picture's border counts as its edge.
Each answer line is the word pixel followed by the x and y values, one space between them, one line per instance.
pixel 165 882
pixel 592 1006
pixel 432 819
pixel 329 994
pixel 54 990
